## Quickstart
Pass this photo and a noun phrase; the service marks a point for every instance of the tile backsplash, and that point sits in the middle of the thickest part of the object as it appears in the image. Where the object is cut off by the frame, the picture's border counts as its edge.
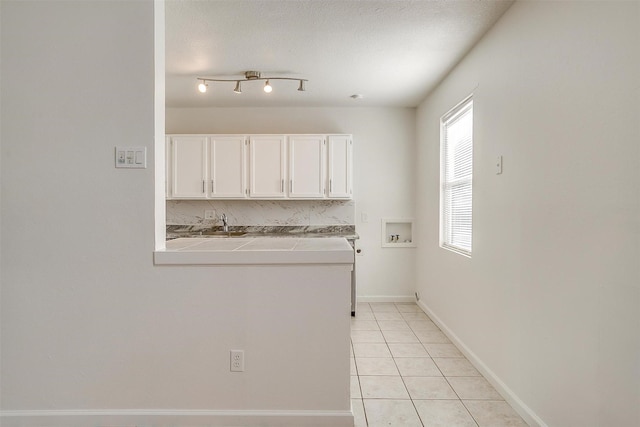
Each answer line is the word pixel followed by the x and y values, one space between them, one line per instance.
pixel 262 212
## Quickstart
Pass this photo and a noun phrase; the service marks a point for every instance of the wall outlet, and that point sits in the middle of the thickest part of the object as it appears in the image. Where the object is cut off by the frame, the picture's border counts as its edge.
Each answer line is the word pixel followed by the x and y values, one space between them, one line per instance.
pixel 237 360
pixel 210 214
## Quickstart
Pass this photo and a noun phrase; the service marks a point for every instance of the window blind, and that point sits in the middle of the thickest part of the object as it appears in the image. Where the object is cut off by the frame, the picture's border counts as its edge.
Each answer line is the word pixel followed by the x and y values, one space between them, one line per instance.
pixel 456 178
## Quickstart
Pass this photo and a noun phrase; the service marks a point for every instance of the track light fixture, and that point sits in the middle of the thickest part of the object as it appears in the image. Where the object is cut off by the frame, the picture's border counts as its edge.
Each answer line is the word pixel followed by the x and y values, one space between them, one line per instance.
pixel 249 76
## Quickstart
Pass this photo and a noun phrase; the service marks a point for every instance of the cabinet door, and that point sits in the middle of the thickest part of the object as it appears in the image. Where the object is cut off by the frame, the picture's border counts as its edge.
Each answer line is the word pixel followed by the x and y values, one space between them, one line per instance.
pixel 267 167
pixel 340 150
pixel 227 167
pixel 167 167
pixel 188 172
pixel 306 166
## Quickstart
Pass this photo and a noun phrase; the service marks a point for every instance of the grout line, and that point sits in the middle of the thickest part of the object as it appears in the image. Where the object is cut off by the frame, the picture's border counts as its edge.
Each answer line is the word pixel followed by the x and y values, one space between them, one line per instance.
pixel 402 376
pixel 446 378
pixel 364 410
pixel 467 409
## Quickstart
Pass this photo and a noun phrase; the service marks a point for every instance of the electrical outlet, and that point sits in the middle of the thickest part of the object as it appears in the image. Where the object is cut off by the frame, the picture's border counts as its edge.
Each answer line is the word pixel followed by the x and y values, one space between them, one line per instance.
pixel 210 214
pixel 237 360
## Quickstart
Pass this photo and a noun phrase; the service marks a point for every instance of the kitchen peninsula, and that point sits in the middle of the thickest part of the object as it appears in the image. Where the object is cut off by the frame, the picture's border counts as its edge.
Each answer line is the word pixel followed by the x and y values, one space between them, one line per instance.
pixel 290 299
pixel 257 251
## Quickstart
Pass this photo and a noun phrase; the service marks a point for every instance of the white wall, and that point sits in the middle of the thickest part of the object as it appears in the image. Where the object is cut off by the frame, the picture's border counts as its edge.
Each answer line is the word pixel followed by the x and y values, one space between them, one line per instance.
pixel 549 303
pixel 89 325
pixel 384 157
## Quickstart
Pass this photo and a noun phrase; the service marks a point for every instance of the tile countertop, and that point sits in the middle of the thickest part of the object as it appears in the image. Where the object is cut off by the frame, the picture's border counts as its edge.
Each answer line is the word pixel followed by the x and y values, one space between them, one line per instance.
pixel 255 251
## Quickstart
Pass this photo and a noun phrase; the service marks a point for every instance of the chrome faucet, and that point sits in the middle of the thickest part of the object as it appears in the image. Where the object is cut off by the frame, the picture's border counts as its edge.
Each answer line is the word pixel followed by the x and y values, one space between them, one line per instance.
pixel 225 224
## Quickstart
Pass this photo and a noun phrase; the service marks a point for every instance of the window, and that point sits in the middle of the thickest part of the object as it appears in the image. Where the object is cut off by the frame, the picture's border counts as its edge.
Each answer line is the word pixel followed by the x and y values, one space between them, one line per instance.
pixel 456 176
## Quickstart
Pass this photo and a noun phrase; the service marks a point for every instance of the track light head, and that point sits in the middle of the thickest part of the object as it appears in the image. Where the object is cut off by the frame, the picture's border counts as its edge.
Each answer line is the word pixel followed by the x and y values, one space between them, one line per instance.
pixel 202 87
pixel 267 87
pixel 301 88
pixel 238 89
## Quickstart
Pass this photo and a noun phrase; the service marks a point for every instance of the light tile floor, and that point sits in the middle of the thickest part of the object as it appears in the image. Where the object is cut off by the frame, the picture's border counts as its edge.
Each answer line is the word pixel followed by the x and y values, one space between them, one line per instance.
pixel 405 372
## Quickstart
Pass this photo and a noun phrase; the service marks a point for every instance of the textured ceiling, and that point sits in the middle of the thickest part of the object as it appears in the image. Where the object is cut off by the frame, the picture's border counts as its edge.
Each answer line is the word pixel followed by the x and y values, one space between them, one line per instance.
pixel 391 52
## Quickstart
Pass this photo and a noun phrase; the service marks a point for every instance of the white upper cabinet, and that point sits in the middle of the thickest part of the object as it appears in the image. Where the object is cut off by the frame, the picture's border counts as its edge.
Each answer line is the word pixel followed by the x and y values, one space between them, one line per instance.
pixel 340 149
pixel 306 166
pixel 259 167
pixel 267 166
pixel 206 167
pixel 227 167
pixel 188 172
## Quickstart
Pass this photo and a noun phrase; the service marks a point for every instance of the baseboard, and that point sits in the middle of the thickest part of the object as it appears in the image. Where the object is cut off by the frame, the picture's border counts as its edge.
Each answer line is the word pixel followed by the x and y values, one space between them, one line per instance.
pixel 516 403
pixel 387 298
pixel 160 418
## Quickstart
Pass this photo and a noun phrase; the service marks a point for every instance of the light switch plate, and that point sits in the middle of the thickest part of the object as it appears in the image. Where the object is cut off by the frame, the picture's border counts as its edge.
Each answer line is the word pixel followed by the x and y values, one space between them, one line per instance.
pixel 498 165
pixel 132 157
